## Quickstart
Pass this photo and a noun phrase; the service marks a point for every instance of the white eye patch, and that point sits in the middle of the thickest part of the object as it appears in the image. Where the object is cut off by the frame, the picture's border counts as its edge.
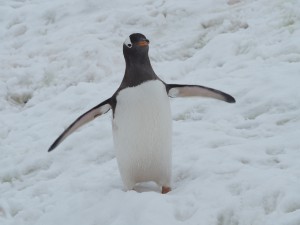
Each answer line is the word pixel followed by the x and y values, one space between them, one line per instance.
pixel 127 42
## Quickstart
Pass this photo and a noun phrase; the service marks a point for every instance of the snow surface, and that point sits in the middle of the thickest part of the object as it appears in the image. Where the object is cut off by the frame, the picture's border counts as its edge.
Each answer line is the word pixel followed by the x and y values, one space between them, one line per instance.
pixel 233 164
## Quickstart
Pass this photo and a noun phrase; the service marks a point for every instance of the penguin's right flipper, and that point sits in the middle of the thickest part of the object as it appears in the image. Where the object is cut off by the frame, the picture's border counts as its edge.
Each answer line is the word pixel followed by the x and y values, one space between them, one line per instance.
pixel 181 90
pixel 98 110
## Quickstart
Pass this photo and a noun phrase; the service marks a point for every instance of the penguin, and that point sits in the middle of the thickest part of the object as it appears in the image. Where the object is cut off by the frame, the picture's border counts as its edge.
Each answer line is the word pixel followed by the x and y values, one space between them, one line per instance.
pixel 141 121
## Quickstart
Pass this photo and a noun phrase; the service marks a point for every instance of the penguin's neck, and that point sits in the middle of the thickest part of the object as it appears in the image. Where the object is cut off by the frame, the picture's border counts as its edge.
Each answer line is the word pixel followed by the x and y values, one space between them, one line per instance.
pixel 138 70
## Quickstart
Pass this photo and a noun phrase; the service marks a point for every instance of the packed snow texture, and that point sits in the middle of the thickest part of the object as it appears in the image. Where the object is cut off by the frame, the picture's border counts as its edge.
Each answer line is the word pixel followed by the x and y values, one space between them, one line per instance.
pixel 233 164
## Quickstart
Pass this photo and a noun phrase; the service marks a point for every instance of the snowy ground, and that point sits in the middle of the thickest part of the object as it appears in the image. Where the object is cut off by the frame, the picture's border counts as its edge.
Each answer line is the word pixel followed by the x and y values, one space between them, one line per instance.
pixel 234 164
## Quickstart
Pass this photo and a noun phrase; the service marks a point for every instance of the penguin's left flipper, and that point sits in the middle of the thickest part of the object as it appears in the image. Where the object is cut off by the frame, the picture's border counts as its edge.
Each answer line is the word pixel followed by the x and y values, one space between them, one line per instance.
pixel 180 90
pixel 98 110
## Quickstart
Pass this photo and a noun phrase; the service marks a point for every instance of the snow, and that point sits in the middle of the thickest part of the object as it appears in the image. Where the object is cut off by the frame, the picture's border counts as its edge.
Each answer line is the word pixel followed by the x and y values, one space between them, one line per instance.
pixel 233 164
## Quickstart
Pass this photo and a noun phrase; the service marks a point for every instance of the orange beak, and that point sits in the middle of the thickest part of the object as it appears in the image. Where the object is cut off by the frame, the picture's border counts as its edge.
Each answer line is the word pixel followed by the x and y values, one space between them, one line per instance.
pixel 143 43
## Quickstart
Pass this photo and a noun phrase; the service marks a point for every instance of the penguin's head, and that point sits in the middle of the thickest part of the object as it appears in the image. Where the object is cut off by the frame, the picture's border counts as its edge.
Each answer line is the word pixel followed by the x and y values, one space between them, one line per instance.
pixel 136 44
pixel 136 40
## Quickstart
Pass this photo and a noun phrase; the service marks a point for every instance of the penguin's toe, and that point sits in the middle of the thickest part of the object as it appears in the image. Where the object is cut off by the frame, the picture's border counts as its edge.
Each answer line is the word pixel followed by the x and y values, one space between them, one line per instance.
pixel 165 189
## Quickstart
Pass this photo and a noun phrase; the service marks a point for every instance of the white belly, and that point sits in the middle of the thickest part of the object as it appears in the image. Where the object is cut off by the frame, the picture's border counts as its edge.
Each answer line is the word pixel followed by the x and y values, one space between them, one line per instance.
pixel 142 134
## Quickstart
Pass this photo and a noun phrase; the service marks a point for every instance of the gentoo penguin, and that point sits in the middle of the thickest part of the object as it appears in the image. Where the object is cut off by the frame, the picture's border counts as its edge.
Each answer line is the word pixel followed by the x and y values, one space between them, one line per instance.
pixel 141 123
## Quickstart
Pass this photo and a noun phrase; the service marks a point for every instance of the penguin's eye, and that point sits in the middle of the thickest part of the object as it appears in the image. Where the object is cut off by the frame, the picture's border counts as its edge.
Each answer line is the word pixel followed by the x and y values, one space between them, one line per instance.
pixel 128 43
